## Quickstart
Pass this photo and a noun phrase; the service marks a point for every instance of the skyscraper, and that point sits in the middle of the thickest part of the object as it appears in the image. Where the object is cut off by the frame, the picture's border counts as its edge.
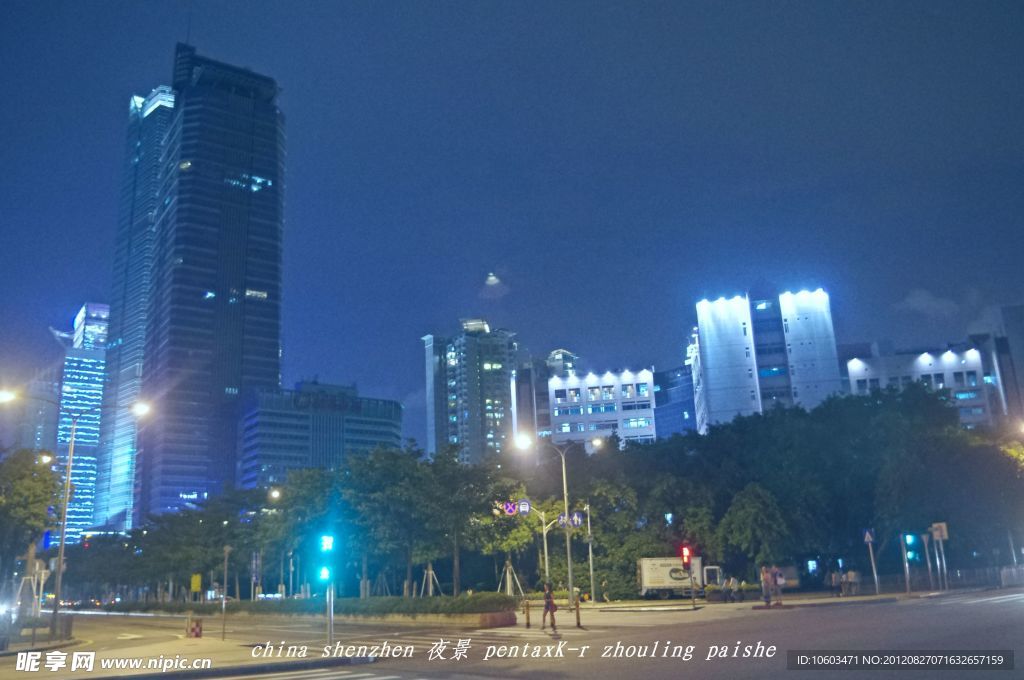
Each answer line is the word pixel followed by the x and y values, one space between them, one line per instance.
pixel 213 329
pixel 148 120
pixel 471 390
pixel 750 353
pixel 81 395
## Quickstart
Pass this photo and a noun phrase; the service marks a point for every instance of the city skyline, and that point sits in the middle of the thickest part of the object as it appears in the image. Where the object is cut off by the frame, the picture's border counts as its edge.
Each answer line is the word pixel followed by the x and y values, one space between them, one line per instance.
pixel 853 201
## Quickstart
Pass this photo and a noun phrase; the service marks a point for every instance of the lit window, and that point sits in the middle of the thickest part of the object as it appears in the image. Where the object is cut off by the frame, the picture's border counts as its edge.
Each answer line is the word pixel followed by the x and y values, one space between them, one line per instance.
pixel 255 294
pixel 209 295
pixel 185 165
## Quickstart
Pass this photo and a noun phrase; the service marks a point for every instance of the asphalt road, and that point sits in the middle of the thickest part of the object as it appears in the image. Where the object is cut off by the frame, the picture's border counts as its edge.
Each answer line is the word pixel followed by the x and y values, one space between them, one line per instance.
pixel 992 620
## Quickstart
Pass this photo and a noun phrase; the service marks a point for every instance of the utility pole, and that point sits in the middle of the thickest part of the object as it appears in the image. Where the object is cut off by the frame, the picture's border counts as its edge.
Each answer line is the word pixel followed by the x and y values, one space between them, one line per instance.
pixel 224 596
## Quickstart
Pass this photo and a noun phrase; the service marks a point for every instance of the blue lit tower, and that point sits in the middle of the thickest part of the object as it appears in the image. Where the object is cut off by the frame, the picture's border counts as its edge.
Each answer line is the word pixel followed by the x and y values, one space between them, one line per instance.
pixel 148 120
pixel 81 394
pixel 213 330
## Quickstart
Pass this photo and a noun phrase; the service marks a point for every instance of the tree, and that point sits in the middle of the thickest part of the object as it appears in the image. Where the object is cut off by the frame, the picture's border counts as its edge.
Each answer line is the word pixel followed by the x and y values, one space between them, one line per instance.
pixel 27 490
pixel 754 527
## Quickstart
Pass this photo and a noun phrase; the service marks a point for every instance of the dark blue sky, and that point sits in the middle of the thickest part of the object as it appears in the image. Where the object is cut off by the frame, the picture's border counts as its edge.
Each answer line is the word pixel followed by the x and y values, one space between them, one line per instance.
pixel 611 162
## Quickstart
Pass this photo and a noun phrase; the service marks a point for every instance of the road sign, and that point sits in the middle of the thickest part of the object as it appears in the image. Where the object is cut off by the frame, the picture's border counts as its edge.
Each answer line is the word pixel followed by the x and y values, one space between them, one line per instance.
pixel 196 583
pixel 939 530
pixel 561 519
pixel 524 506
pixel 869 535
pixel 511 508
pixel 576 519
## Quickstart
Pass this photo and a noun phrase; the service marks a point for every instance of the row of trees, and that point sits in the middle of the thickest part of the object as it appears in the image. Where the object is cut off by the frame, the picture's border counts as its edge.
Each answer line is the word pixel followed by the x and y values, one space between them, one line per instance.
pixel 782 487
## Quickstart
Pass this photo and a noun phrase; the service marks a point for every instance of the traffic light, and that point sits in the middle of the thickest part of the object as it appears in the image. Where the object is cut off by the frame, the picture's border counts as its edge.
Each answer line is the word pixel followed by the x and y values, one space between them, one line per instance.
pixel 326 550
pixel 684 553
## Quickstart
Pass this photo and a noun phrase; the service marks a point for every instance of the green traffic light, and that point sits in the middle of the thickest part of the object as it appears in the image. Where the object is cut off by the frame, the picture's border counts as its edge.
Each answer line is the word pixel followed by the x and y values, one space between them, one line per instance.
pixel 326 543
pixel 325 573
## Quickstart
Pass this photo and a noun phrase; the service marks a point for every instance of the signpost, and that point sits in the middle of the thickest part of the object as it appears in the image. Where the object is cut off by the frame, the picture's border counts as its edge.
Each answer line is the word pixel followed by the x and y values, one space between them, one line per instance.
pixel 925 538
pixel 940 534
pixel 869 538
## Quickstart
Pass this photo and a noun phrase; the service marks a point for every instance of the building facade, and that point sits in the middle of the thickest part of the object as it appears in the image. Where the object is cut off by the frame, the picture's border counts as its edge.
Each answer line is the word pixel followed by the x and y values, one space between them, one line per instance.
pixel 213 330
pixel 591 405
pixel 148 121
pixel 674 410
pixel 312 426
pixel 958 369
pixel 80 414
pixel 471 395
pixel 752 352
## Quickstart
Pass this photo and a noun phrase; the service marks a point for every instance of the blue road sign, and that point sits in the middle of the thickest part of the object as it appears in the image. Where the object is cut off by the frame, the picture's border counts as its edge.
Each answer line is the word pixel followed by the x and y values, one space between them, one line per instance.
pixel 576 519
pixel 511 508
pixel 561 519
pixel 524 506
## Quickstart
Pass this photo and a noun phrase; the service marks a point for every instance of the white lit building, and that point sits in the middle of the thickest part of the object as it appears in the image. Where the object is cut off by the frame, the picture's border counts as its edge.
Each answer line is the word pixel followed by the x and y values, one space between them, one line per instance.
pixel 589 406
pixel 752 352
pixel 974 393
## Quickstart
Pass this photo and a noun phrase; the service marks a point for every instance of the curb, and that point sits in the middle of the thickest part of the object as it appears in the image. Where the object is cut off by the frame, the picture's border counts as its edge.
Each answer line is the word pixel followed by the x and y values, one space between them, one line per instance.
pixel 45 648
pixel 808 605
pixel 249 669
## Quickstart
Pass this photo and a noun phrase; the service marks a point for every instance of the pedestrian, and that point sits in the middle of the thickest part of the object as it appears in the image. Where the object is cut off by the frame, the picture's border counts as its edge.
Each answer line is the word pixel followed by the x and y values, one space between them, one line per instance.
pixel 604 590
pixel 549 608
pixel 777 581
pixel 732 586
pixel 844 585
pixel 835 581
pixel 766 585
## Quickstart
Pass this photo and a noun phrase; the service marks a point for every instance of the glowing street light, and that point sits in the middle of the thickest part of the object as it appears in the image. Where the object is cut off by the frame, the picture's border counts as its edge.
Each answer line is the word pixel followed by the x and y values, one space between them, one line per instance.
pixel 7 396
pixel 275 494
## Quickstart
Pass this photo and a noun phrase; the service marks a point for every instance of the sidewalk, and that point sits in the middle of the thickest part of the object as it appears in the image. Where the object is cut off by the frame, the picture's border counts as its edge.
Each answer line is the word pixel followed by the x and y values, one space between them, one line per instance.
pixel 225 658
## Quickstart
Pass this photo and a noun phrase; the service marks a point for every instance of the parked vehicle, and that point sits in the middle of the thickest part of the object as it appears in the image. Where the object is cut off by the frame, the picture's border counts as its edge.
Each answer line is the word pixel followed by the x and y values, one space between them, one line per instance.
pixel 665 577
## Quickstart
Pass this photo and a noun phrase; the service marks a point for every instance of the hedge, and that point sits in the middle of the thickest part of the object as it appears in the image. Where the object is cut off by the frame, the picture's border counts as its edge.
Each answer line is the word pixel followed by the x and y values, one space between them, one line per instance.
pixel 374 606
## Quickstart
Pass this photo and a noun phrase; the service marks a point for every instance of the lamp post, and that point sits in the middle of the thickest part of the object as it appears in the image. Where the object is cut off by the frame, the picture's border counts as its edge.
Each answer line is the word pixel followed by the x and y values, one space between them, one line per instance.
pixel 140 410
pixel 523 443
pixel 544 526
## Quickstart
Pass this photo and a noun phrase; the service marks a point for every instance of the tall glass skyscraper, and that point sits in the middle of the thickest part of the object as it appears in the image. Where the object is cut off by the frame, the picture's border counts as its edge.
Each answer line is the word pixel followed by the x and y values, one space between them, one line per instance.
pixel 81 395
pixel 148 121
pixel 213 329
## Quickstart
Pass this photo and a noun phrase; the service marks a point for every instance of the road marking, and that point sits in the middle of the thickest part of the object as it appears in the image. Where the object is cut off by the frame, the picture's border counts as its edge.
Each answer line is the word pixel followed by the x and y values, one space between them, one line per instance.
pixel 129 636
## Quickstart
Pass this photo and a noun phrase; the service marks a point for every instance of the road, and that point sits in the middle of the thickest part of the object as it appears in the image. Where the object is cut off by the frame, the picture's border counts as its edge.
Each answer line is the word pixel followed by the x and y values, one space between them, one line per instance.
pixel 636 642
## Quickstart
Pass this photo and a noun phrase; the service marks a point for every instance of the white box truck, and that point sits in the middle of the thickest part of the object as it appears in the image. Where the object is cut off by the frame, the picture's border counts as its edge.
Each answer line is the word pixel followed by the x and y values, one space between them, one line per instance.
pixel 666 576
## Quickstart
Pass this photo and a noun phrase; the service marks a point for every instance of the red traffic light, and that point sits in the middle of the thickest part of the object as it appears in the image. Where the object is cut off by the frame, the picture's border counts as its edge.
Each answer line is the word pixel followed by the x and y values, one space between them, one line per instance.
pixel 684 553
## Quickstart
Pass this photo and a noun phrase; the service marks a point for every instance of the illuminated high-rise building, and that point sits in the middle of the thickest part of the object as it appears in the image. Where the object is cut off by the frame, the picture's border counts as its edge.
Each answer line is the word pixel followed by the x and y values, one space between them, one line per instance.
pixel 79 414
pixel 471 391
pixel 213 326
pixel 148 121
pixel 751 352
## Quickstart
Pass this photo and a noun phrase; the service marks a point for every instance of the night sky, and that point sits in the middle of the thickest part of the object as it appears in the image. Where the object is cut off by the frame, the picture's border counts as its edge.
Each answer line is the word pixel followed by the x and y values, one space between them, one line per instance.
pixel 611 163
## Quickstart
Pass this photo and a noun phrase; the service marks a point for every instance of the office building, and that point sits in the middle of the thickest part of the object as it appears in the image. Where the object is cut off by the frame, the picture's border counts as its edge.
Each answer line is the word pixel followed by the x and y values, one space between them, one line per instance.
pixel 35 425
pixel 533 406
pixel 149 118
pixel 587 406
pixel 674 410
pixel 959 369
pixel 213 329
pixel 79 416
pixel 312 426
pixel 751 352
pixel 471 400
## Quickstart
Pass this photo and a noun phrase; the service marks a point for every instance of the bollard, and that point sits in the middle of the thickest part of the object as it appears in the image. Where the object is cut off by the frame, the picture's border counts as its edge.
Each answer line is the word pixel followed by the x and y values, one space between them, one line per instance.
pixel 578 613
pixel 526 611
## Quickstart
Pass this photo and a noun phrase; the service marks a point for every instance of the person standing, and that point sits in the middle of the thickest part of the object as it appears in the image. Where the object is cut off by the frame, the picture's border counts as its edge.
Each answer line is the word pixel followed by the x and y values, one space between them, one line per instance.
pixel 766 585
pixel 549 608
pixel 777 581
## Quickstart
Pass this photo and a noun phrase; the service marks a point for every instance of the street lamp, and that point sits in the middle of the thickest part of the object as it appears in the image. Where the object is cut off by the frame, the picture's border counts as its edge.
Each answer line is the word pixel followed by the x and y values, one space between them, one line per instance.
pixel 139 409
pixel 523 443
